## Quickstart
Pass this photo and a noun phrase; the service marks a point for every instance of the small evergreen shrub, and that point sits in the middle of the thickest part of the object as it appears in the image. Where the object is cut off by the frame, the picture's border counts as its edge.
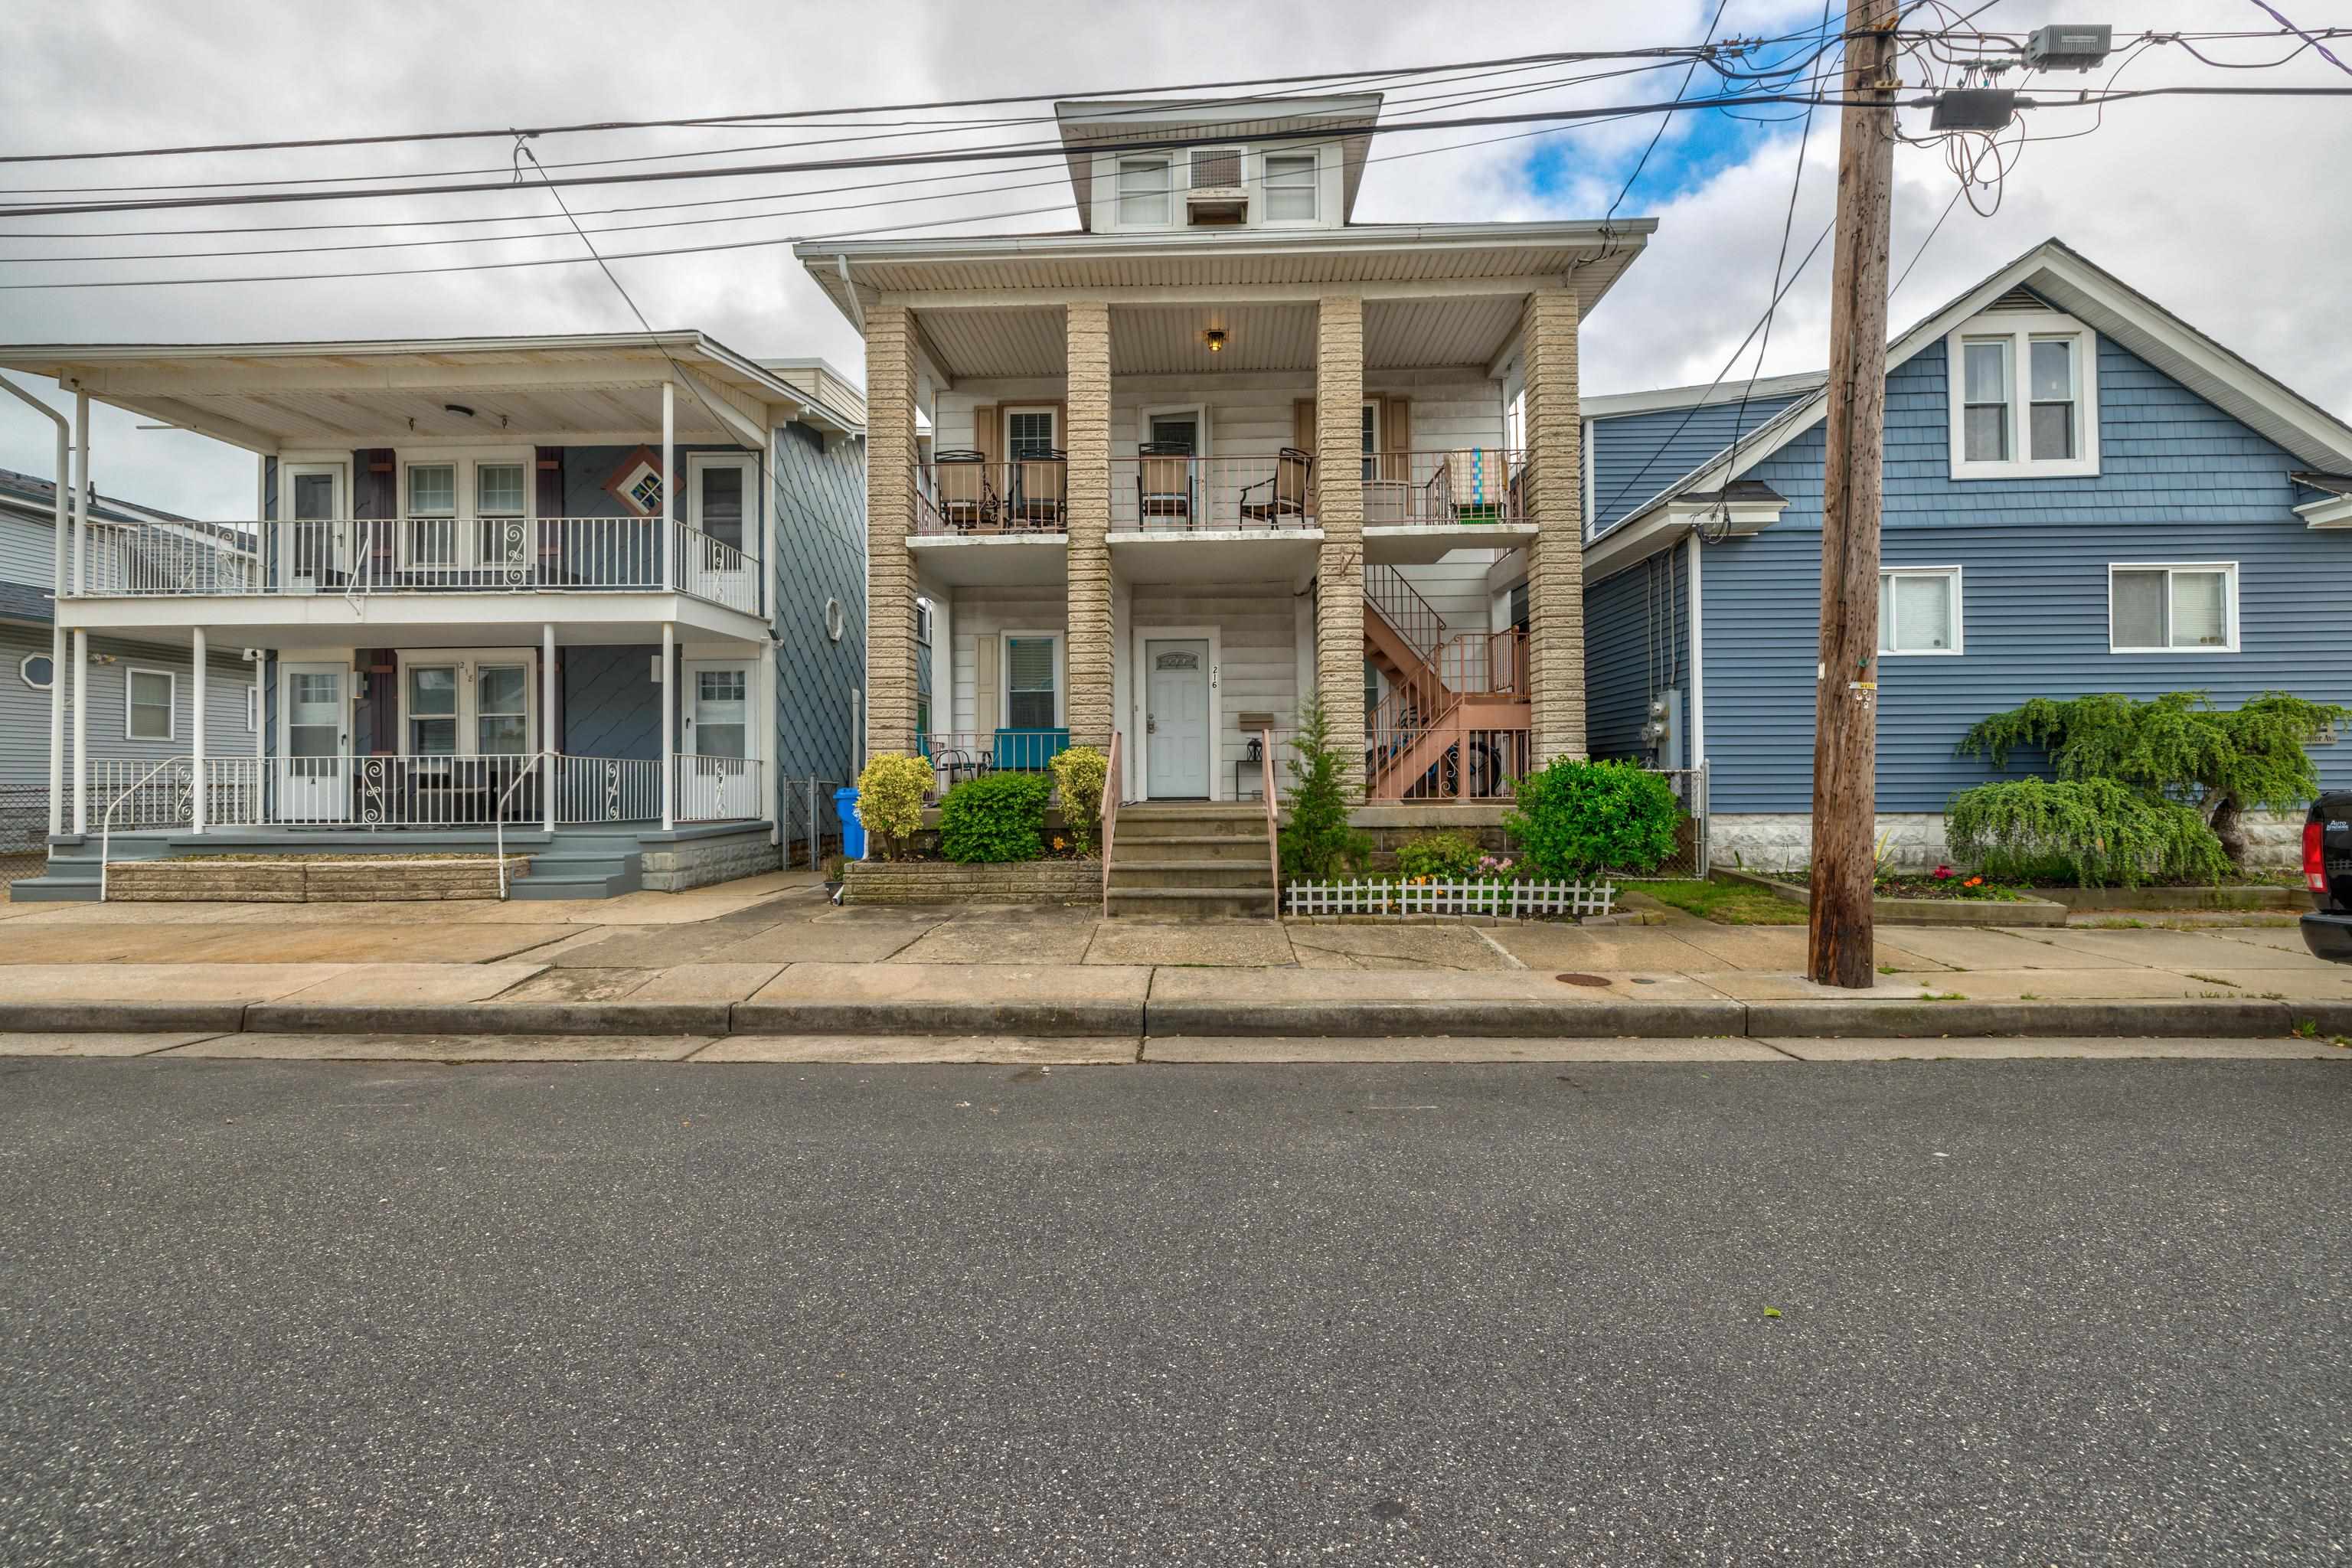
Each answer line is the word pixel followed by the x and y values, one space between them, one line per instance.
pixel 1575 819
pixel 890 800
pixel 1318 843
pixel 996 818
pixel 1078 774
pixel 1447 856
pixel 2089 833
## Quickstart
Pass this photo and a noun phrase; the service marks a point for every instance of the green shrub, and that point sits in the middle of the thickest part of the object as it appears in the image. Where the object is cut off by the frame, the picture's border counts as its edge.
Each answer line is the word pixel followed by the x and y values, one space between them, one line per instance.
pixel 998 817
pixel 1318 843
pixel 2177 747
pixel 1577 818
pixel 1078 774
pixel 2092 832
pixel 890 800
pixel 1446 856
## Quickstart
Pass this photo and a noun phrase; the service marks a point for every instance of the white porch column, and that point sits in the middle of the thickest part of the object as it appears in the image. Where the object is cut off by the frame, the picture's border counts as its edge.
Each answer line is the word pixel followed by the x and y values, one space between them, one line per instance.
pixel 57 728
pixel 669 484
pixel 197 734
pixel 81 494
pixel 669 719
pixel 771 477
pixel 547 746
pixel 81 730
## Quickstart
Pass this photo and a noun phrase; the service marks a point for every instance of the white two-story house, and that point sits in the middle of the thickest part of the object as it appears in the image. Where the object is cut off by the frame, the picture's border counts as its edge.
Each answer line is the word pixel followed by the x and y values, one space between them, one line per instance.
pixel 598 599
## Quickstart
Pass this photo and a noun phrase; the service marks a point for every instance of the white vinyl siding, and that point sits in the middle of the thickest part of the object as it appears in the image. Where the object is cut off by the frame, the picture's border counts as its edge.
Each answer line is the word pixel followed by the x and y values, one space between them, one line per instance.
pixel 2166 608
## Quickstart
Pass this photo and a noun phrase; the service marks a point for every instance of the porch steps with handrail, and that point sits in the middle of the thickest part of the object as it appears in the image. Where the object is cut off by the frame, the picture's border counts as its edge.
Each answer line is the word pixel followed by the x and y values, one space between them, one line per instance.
pixel 1189 859
pixel 575 863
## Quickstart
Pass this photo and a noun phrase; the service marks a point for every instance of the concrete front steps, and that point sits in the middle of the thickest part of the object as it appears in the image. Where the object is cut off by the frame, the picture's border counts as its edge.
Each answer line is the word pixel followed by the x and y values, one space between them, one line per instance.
pixel 571 864
pixel 1178 861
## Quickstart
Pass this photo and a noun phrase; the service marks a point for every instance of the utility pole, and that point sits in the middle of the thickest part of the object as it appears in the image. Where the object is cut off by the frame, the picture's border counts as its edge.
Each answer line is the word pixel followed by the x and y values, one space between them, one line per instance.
pixel 1838 945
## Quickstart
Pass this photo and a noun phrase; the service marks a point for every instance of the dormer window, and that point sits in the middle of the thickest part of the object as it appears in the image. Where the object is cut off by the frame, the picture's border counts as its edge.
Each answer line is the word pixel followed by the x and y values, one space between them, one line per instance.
pixel 1290 193
pixel 2024 398
pixel 1214 196
pixel 1143 193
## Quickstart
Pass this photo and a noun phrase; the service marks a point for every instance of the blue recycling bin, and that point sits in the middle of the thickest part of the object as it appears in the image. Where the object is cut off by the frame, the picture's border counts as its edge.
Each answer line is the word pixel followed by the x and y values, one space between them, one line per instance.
pixel 853 830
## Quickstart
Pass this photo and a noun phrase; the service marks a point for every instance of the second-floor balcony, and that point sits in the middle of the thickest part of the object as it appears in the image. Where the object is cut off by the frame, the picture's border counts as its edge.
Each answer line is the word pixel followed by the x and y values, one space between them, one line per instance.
pixel 1174 491
pixel 363 557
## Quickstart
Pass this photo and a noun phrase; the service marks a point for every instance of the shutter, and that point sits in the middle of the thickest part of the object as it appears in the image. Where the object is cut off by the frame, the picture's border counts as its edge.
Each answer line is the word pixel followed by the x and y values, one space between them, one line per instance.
pixel 550 481
pixel 375 495
pixel 987 439
pixel 1302 424
pixel 983 685
pixel 1397 441
pixel 1061 425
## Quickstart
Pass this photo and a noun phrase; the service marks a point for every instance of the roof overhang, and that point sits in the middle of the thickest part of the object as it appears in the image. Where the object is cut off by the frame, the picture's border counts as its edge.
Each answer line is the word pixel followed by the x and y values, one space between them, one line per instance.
pixel 2331 511
pixel 1430 269
pixel 2071 283
pixel 272 397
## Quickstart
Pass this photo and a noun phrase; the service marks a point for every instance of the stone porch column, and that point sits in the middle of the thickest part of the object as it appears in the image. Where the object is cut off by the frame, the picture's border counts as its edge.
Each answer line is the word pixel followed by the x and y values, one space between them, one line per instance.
pixel 1089 652
pixel 1547 326
pixel 891 647
pixel 1340 511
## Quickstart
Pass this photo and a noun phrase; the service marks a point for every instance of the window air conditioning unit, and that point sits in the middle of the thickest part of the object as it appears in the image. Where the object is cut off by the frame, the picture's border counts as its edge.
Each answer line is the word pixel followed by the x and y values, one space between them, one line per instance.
pixel 1215 197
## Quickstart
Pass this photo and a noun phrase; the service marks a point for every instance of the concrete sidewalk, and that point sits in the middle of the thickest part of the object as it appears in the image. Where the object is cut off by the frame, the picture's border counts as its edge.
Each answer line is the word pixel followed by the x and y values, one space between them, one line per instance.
pixel 771 956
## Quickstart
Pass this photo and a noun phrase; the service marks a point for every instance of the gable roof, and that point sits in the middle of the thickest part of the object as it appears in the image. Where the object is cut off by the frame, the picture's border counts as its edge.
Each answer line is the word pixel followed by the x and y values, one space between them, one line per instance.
pixel 2071 283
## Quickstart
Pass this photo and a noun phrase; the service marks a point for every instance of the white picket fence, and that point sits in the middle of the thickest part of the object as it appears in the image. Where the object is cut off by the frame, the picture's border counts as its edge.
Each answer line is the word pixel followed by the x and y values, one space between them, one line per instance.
pixel 1433 897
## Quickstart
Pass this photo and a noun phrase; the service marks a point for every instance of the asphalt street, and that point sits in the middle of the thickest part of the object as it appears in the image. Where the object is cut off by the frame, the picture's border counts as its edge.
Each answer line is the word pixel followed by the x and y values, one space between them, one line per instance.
pixel 2039 1312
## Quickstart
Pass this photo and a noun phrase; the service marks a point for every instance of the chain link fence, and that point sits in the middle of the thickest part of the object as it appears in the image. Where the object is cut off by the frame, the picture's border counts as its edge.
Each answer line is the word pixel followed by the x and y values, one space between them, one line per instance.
pixel 812 828
pixel 24 830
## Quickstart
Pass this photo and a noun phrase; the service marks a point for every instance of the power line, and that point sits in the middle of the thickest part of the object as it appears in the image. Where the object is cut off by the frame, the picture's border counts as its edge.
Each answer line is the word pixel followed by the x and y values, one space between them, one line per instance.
pixel 1644 162
pixel 767 116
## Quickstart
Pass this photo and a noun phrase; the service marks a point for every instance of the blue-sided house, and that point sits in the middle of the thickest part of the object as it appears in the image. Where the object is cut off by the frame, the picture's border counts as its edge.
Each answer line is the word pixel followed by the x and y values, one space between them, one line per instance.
pixel 2083 494
pixel 600 599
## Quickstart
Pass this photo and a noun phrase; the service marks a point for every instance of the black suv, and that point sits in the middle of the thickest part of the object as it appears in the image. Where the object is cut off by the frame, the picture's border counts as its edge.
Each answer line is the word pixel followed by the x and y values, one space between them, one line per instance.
pixel 2327 872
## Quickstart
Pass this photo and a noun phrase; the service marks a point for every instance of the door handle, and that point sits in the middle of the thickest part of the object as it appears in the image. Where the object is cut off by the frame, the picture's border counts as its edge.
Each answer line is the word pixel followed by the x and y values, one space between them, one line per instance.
pixel 1152 724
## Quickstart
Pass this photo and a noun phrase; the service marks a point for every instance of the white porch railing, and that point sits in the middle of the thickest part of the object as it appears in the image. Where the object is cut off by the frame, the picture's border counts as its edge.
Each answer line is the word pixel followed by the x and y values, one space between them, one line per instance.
pixel 362 556
pixel 439 791
pixel 717 789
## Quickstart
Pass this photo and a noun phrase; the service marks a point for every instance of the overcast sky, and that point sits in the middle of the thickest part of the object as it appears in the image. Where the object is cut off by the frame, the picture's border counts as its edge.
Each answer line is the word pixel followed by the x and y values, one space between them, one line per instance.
pixel 2229 211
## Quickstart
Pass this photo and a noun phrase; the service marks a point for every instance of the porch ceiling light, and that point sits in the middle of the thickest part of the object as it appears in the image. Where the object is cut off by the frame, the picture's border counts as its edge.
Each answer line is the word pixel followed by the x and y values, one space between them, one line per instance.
pixel 1215 338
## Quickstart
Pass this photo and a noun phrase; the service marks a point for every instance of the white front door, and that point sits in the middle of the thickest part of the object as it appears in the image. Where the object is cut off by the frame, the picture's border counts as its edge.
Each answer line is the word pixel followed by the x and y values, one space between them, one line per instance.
pixel 1176 718
pixel 716 778
pixel 314 767
pixel 722 504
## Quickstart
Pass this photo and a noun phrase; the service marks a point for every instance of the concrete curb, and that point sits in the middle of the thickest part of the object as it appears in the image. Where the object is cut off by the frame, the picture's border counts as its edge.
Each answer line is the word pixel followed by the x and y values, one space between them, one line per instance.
pixel 1499 1018
pixel 1055 1018
pixel 485 1019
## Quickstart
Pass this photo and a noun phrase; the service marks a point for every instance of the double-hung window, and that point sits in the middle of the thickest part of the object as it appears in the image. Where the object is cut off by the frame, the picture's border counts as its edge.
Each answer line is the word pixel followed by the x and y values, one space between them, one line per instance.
pixel 1290 187
pixel 2024 398
pixel 2166 608
pixel 468 705
pixel 1028 433
pixel 497 502
pixel 1919 610
pixel 149 704
pixel 1143 193
pixel 432 514
pixel 1030 683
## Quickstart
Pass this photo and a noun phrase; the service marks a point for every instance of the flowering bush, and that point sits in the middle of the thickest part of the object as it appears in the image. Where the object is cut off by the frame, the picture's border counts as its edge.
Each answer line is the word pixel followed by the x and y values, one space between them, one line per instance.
pixel 1442 855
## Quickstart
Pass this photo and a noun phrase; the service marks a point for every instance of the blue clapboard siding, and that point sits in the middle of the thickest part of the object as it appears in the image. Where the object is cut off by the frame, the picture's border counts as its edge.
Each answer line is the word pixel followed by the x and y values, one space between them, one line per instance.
pixel 1636 643
pixel 820 483
pixel 2180 480
pixel 1635 456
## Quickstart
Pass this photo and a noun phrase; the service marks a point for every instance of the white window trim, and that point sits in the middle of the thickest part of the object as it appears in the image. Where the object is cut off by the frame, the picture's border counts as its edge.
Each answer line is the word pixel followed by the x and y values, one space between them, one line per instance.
pixel 1175 194
pixel 1960 624
pixel 1004 674
pixel 25 671
pixel 131 675
pixel 466 715
pixel 1004 425
pixel 466 494
pixel 1199 411
pixel 2019 330
pixel 1262 206
pixel 2229 568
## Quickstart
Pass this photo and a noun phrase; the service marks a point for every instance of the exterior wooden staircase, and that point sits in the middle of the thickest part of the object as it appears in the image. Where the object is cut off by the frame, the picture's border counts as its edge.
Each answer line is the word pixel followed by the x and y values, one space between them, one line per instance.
pixel 1453 722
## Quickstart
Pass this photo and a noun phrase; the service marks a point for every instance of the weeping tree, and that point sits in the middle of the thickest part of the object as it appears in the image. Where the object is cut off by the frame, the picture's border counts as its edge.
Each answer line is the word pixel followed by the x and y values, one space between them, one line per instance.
pixel 2175 750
